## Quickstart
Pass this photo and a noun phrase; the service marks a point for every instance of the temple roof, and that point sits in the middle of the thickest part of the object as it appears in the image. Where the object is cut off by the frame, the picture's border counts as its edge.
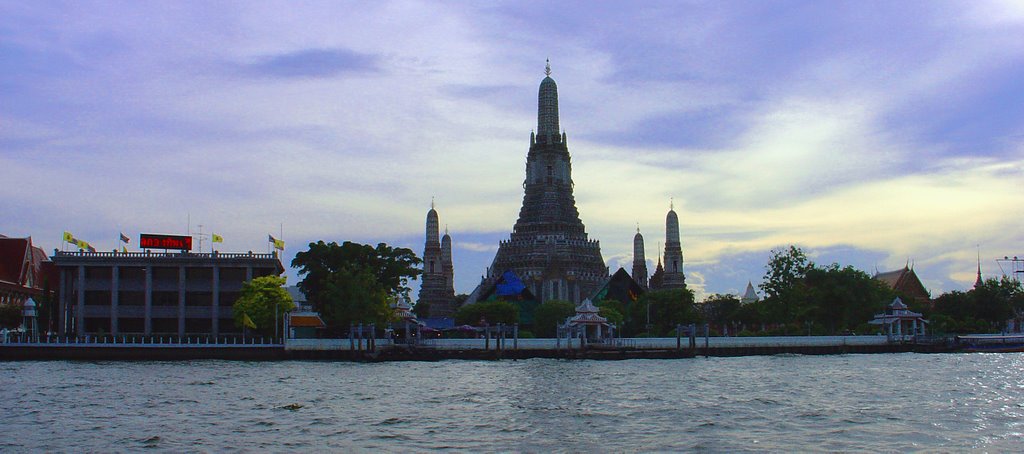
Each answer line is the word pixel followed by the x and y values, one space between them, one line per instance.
pixel 750 295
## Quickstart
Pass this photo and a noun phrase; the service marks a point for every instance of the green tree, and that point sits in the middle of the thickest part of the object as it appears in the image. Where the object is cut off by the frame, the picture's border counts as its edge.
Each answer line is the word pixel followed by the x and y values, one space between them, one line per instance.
pixel 549 314
pixel 668 309
pixel 352 283
pixel 491 312
pixel 784 287
pixel 615 311
pixel 720 310
pixel 421 309
pixel 843 298
pixel 259 299
pixel 10 315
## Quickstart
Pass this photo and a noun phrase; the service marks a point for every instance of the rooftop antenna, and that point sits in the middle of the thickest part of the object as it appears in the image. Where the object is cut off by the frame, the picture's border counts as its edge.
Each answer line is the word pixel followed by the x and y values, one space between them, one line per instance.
pixel 547 67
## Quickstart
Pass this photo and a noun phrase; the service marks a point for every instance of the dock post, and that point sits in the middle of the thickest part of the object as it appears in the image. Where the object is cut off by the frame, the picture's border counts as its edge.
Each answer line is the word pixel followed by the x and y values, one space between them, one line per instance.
pixel 515 336
pixel 372 344
pixel 487 338
pixel 351 338
pixel 707 335
pixel 679 337
pixel 360 337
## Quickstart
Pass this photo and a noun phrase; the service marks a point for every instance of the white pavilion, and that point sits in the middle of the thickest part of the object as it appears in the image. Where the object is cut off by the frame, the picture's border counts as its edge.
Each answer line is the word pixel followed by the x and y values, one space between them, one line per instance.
pixel 896 316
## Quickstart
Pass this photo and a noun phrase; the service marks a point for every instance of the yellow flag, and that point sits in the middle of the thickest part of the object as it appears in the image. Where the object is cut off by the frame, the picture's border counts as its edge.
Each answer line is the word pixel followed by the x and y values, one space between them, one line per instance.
pixel 82 244
pixel 68 237
pixel 216 238
pixel 278 244
pixel 124 249
pixel 246 321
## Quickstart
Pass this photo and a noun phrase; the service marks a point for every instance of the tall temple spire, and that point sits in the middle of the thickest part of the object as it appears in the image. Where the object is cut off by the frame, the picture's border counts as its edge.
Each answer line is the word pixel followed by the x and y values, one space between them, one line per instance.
pixel 547 106
pixel 548 248
pixel 639 259
pixel 436 265
pixel 979 281
pixel 674 277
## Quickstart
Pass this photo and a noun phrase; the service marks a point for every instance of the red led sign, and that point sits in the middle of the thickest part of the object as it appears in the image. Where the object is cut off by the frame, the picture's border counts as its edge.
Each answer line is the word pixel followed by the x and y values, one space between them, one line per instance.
pixel 149 241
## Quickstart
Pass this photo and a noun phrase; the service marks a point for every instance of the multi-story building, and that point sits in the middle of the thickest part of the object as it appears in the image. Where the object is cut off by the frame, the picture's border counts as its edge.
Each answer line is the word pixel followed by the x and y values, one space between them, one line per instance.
pixel 154 293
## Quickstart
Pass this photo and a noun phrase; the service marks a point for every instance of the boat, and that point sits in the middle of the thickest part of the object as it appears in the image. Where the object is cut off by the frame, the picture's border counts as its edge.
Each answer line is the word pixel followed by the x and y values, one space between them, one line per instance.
pixel 991 343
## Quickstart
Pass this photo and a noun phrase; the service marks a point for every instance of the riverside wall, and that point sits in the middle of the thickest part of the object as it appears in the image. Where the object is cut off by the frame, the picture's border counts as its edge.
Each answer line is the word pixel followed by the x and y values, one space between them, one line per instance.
pixel 478 349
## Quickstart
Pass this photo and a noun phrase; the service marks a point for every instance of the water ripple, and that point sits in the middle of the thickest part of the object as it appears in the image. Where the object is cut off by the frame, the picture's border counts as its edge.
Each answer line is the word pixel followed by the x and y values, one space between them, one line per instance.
pixel 892 402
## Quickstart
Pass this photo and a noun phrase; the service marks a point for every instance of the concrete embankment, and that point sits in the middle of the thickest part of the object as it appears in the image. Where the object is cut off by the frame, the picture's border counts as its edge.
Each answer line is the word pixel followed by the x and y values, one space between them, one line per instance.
pixel 470 349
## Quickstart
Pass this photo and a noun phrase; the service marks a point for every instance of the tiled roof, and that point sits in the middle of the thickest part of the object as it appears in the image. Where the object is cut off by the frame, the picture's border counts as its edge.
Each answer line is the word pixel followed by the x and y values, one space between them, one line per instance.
pixel 307 321
pixel 13 253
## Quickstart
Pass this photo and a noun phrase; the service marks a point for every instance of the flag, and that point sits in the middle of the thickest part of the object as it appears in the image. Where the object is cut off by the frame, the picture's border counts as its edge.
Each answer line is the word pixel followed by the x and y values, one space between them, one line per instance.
pixel 91 249
pixel 278 244
pixel 68 237
pixel 247 322
pixel 124 249
pixel 216 238
pixel 125 239
pixel 82 244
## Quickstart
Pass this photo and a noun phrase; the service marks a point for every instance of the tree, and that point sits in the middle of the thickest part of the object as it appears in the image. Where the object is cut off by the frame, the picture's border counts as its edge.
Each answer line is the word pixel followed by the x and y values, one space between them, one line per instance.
pixel 668 309
pixel 10 315
pixel 352 282
pixel 840 299
pixel 615 311
pixel 549 314
pixel 784 287
pixel 421 309
pixel 260 298
pixel 491 312
pixel 720 310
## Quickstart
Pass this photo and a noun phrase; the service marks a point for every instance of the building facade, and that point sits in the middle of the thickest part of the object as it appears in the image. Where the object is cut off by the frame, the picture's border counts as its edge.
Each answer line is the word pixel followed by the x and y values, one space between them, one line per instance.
pixel 548 247
pixel 149 293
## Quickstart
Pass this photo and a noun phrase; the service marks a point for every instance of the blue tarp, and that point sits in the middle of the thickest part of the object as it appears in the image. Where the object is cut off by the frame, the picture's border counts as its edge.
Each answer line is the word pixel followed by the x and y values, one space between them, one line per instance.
pixel 510 284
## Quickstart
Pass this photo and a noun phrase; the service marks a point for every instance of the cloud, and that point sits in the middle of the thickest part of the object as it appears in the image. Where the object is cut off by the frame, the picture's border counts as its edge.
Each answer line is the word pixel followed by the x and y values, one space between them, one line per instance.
pixel 311 63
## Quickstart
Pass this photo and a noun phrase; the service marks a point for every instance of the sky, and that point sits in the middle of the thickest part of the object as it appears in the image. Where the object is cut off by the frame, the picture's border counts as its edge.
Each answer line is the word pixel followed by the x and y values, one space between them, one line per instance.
pixel 870 134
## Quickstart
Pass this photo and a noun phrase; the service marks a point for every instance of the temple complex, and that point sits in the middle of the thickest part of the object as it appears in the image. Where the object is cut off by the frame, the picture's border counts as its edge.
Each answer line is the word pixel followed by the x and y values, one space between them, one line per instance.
pixel 437 288
pixel 548 248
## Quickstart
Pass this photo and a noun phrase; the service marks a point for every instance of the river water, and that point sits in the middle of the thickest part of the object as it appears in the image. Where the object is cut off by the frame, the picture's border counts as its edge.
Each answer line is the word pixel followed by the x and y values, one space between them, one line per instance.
pixel 882 402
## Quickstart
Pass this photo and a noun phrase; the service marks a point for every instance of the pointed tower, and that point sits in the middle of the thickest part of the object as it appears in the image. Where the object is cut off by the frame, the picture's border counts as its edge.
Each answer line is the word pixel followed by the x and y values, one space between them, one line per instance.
pixel 639 260
pixel 659 275
pixel 447 268
pixel 750 296
pixel 548 248
pixel 674 277
pixel 979 281
pixel 433 281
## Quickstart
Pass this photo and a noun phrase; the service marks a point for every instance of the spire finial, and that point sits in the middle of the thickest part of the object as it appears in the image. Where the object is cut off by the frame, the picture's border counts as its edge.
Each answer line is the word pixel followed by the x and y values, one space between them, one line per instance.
pixel 431 202
pixel 547 67
pixel 671 203
pixel 446 229
pixel 637 227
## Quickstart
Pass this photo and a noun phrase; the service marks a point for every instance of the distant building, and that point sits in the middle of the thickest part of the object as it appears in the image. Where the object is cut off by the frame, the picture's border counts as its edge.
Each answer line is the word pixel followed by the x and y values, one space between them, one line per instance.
pixel 437 288
pixel 905 282
pixel 639 260
pixel 25 272
pixel 154 293
pixel 672 276
pixel 619 287
pixel 750 296
pixel 508 287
